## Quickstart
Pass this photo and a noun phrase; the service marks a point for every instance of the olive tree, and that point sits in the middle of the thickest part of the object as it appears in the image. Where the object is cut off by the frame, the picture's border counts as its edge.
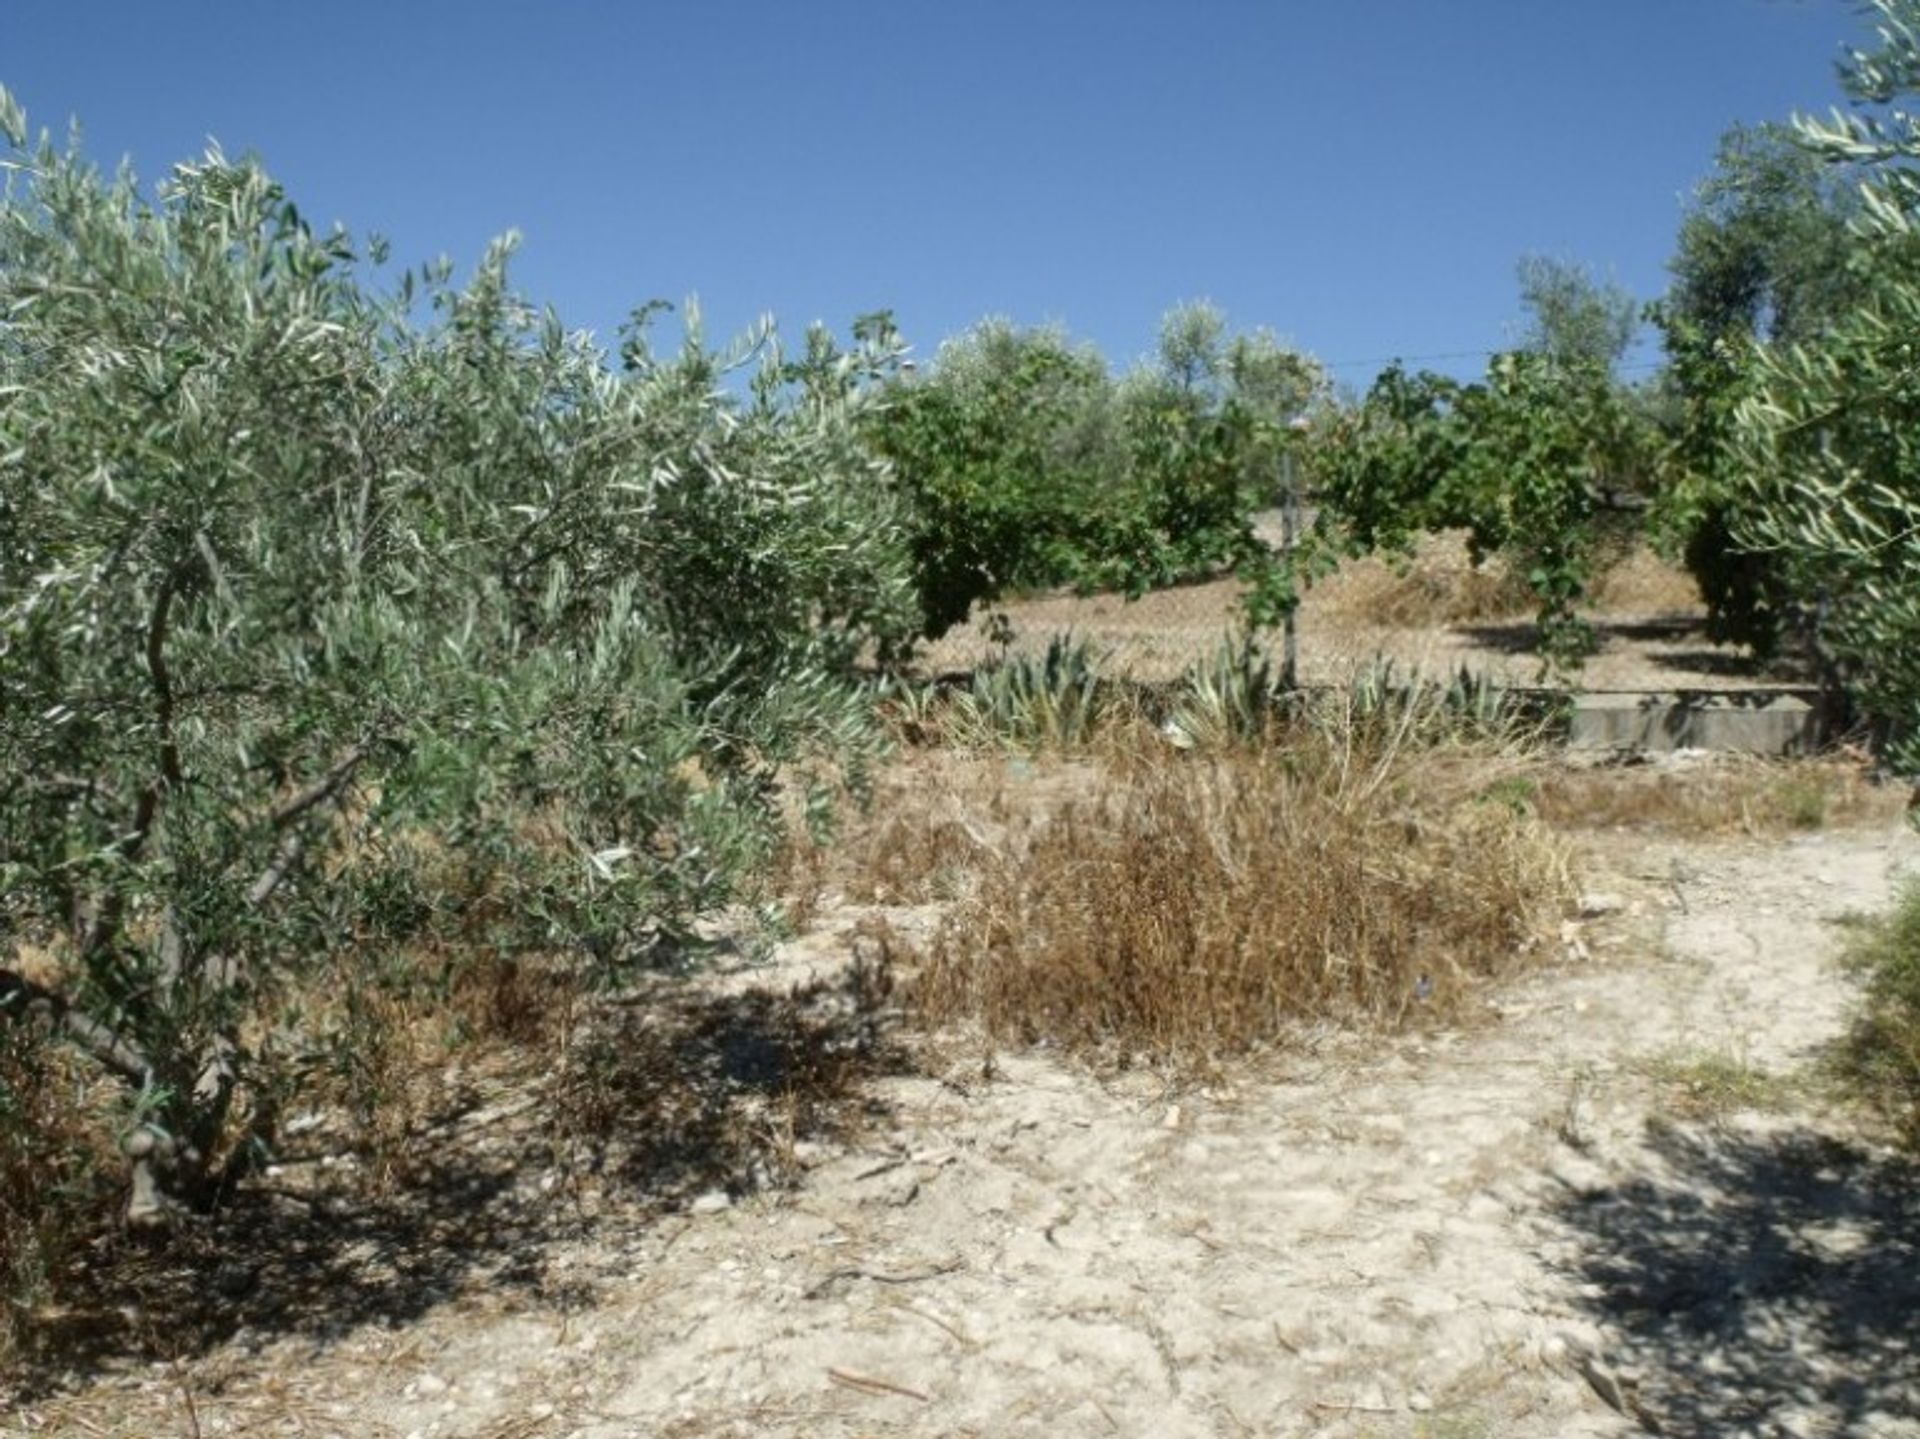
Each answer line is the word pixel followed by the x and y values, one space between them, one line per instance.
pixel 1827 441
pixel 1765 258
pixel 1572 317
pixel 330 640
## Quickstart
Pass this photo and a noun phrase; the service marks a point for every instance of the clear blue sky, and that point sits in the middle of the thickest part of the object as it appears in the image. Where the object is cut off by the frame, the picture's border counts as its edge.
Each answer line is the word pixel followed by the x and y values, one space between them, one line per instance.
pixel 1358 175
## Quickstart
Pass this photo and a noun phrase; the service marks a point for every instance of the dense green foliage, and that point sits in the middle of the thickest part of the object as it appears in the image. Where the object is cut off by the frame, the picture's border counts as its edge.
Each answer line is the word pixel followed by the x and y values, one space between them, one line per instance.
pixel 1825 444
pixel 1026 464
pixel 1013 453
pixel 1765 257
pixel 326 636
pixel 1527 462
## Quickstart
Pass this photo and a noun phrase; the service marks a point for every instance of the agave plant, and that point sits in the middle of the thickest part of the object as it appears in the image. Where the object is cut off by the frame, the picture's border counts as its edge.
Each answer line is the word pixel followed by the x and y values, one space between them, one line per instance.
pixel 1052 700
pixel 1228 698
pixel 1468 703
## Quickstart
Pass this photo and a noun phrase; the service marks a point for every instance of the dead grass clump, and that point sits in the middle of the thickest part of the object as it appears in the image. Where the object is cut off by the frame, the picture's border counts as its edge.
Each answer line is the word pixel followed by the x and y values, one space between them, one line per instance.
pixel 911 851
pixel 1437 583
pixel 1195 908
pixel 915 841
pixel 1638 581
pixel 936 817
pixel 913 857
pixel 59 1186
pixel 1730 795
pixel 380 1043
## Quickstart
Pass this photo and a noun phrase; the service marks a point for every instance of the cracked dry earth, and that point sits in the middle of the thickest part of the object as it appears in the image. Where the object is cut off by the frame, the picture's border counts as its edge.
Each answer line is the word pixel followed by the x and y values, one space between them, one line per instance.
pixel 1525 1227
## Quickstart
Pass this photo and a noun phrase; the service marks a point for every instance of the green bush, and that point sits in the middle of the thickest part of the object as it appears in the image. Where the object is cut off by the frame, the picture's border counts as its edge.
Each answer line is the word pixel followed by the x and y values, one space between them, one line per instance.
pixel 1524 462
pixel 1011 462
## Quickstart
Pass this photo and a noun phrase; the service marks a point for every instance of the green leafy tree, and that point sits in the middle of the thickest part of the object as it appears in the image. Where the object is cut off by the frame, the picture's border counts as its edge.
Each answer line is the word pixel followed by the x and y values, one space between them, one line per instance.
pixel 1526 462
pixel 1023 463
pixel 1211 425
pixel 1765 257
pixel 1573 318
pixel 330 642
pixel 1012 465
pixel 1543 461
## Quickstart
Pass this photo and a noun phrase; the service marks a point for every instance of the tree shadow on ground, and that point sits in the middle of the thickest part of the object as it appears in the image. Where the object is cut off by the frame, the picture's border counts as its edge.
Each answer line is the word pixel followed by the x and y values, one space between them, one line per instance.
pixel 660 1098
pixel 1522 637
pixel 1734 664
pixel 1760 1285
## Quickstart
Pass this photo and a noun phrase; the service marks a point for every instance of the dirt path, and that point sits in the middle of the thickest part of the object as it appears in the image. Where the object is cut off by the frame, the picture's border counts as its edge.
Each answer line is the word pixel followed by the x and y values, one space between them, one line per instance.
pixel 1522 1229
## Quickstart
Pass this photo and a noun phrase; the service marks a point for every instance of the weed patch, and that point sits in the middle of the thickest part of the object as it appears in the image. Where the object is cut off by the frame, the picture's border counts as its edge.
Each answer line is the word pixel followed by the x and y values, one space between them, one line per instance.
pixel 1756 798
pixel 1881 1054
pixel 1715 1085
pixel 57 1184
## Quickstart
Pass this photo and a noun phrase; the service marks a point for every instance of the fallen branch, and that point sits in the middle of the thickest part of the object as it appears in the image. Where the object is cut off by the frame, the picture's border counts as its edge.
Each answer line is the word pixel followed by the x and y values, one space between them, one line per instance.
pixel 1338 1406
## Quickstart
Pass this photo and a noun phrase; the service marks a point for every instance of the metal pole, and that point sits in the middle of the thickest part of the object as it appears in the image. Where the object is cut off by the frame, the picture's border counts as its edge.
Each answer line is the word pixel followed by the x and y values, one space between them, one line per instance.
pixel 1289 537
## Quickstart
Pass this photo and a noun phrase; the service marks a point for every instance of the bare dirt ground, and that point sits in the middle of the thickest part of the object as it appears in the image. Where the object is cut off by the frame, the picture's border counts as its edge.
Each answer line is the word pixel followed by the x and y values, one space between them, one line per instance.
pixel 1648 620
pixel 1617 1203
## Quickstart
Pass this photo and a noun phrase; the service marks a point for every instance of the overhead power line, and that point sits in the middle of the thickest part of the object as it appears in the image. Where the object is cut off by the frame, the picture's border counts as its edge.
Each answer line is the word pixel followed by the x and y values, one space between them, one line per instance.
pixel 1460 354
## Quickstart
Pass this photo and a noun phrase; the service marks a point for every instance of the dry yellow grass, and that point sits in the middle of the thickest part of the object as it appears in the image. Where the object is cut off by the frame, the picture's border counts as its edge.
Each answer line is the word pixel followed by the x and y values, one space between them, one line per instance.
pixel 1192 908
pixel 1641 583
pixel 1438 584
pixel 1731 795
